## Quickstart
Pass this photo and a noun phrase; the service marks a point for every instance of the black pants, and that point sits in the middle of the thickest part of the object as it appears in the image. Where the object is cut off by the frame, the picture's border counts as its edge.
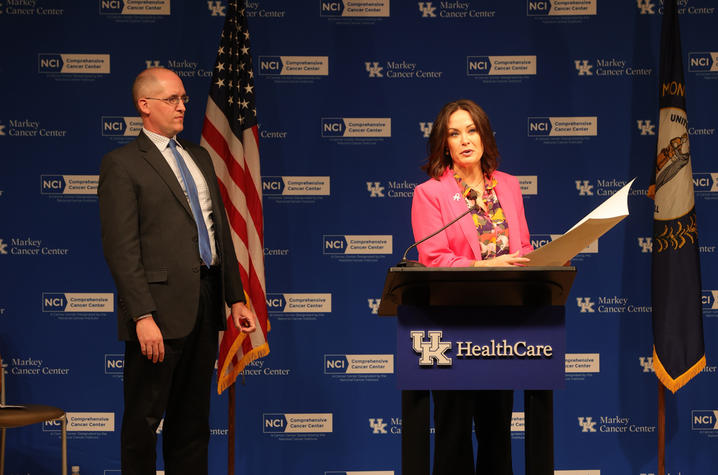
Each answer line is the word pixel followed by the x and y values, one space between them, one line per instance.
pixel 178 388
pixel 490 412
pixel 538 412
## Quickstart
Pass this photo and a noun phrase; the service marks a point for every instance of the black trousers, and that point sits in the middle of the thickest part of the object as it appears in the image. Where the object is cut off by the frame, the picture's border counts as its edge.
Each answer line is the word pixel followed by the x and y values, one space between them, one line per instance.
pixel 454 414
pixel 178 389
pixel 538 417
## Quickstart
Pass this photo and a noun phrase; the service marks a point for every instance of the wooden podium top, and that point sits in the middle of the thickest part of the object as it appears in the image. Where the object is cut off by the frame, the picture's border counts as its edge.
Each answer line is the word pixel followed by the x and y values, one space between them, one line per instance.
pixel 472 286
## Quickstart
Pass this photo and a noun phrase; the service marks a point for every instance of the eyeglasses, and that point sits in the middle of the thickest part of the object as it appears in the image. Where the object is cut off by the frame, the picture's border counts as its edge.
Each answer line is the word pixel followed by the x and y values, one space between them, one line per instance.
pixel 172 100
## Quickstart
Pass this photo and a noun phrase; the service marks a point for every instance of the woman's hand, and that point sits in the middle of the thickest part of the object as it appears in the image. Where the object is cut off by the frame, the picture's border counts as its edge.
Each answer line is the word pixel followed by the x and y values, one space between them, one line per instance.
pixel 503 261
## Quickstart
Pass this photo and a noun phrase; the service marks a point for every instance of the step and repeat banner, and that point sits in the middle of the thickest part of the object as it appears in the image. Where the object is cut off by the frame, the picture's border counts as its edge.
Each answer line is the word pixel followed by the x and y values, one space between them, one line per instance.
pixel 347 91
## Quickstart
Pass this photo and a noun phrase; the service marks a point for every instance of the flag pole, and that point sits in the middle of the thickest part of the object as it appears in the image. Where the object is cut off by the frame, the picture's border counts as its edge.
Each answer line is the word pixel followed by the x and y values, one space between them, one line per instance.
pixel 661 428
pixel 230 430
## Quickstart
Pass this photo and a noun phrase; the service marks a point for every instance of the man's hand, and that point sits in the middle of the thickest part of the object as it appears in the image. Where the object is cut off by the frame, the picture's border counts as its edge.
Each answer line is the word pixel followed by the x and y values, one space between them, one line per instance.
pixel 150 338
pixel 243 317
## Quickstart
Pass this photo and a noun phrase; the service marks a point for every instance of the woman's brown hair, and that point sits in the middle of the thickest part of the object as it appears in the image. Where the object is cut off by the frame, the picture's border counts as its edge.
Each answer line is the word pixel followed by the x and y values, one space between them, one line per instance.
pixel 439 159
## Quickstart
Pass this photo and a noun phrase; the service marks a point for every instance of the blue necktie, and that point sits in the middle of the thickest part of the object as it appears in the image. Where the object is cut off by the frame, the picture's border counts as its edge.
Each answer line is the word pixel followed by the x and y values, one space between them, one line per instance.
pixel 205 251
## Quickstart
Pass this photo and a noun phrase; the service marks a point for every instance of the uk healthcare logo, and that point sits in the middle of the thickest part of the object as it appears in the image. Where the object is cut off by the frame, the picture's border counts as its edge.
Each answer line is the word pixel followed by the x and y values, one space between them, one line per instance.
pixel 646 244
pixel 646 127
pixel 431 351
pixel 375 189
pixel 646 7
pixel 425 128
pixel 585 304
pixel 646 363
pixel 587 424
pixel 216 8
pixel 374 305
pixel 583 67
pixel 427 10
pixel 584 188
pixel 152 63
pixel 378 426
pixel 374 70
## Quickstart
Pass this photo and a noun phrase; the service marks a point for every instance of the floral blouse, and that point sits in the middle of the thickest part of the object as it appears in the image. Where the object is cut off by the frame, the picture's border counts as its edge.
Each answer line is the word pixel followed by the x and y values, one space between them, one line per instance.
pixel 491 226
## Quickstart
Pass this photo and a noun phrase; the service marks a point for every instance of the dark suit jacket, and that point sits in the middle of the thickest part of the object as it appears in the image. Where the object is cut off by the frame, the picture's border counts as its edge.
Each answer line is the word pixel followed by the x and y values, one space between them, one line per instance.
pixel 150 239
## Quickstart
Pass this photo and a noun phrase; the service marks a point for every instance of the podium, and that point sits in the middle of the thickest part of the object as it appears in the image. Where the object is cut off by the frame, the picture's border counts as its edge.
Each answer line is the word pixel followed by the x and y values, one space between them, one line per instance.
pixel 478 328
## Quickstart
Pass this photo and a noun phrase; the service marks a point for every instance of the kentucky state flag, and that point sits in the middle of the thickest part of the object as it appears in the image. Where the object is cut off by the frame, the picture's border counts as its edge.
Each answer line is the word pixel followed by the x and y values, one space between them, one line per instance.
pixel 678 350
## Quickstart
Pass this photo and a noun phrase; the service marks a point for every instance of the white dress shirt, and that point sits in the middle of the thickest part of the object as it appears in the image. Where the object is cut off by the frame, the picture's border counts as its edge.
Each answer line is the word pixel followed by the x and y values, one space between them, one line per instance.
pixel 205 200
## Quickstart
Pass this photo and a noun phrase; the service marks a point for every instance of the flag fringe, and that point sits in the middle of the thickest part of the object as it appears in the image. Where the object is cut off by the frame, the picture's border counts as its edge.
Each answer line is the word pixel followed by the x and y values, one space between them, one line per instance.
pixel 226 378
pixel 674 384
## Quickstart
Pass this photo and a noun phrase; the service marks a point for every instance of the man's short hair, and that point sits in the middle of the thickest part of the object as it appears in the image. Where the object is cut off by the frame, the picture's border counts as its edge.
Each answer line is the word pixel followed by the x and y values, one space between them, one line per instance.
pixel 143 82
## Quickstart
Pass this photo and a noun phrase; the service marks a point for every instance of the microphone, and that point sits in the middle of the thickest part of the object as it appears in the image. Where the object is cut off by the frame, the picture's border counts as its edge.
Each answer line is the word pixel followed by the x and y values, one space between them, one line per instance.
pixel 404 262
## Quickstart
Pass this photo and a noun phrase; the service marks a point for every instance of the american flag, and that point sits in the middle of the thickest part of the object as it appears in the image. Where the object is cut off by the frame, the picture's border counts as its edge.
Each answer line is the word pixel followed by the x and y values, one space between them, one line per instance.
pixel 229 134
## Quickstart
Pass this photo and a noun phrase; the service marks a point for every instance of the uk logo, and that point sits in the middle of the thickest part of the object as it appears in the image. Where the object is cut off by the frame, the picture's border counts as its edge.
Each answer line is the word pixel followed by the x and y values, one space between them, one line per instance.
pixel 378 426
pixel 2 129
pixel 152 63
pixel 583 67
pixel 374 305
pixel 216 8
pixel 646 363
pixel 646 127
pixel 585 304
pixel 647 7
pixel 374 70
pixel 431 351
pixel 427 10
pixel 375 189
pixel 425 128
pixel 584 188
pixel 587 424
pixel 3 247
pixel 646 244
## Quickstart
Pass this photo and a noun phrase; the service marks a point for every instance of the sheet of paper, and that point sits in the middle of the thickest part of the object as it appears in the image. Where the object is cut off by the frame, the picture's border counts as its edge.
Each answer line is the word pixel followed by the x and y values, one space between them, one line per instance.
pixel 587 230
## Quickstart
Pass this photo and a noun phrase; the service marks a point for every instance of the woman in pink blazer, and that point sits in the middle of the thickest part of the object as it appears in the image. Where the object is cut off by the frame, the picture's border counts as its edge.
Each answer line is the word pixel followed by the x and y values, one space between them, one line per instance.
pixel 462 165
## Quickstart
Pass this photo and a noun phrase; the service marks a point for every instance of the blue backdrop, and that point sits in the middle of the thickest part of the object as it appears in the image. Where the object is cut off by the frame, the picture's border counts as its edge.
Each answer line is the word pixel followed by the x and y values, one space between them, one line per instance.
pixel 346 93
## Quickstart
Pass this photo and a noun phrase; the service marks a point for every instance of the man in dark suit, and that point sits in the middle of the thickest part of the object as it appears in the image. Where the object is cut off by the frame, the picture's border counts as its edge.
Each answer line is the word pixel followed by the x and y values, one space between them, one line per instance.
pixel 167 243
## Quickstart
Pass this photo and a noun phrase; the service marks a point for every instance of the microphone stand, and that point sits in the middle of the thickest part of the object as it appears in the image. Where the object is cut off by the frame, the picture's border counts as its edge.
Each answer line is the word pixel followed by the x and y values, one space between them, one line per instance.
pixel 404 262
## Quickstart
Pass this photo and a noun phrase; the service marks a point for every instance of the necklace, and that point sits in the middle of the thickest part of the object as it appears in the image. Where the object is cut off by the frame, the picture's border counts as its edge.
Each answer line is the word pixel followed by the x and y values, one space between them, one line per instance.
pixel 476 186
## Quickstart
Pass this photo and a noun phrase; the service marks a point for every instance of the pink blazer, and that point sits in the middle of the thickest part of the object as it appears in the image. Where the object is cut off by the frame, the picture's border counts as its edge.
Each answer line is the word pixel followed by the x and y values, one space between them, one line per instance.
pixel 435 203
